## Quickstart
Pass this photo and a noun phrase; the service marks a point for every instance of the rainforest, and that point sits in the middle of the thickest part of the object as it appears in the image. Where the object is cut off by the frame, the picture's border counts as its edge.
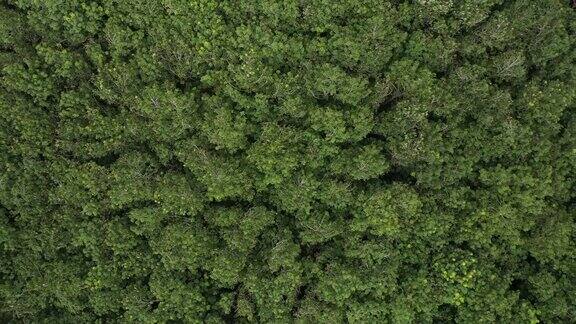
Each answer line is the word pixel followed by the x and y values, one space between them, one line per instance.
pixel 287 161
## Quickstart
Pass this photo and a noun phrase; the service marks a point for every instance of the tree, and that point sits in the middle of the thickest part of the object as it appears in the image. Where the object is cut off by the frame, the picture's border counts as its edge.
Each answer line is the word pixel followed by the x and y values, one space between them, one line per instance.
pixel 288 161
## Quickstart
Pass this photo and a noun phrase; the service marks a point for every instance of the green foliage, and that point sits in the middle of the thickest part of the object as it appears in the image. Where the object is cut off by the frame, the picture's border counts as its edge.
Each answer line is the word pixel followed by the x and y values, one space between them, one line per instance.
pixel 287 161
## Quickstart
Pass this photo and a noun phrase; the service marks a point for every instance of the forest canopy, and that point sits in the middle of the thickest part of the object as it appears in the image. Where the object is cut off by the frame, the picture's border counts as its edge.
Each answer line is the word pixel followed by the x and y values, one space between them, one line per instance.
pixel 279 161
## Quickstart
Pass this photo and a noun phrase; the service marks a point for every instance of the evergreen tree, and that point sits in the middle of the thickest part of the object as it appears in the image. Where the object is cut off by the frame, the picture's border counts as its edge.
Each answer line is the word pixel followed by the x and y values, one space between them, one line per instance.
pixel 362 161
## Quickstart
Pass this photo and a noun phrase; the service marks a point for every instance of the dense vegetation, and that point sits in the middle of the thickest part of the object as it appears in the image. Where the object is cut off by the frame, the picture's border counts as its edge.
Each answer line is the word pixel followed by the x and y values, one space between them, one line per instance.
pixel 286 160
